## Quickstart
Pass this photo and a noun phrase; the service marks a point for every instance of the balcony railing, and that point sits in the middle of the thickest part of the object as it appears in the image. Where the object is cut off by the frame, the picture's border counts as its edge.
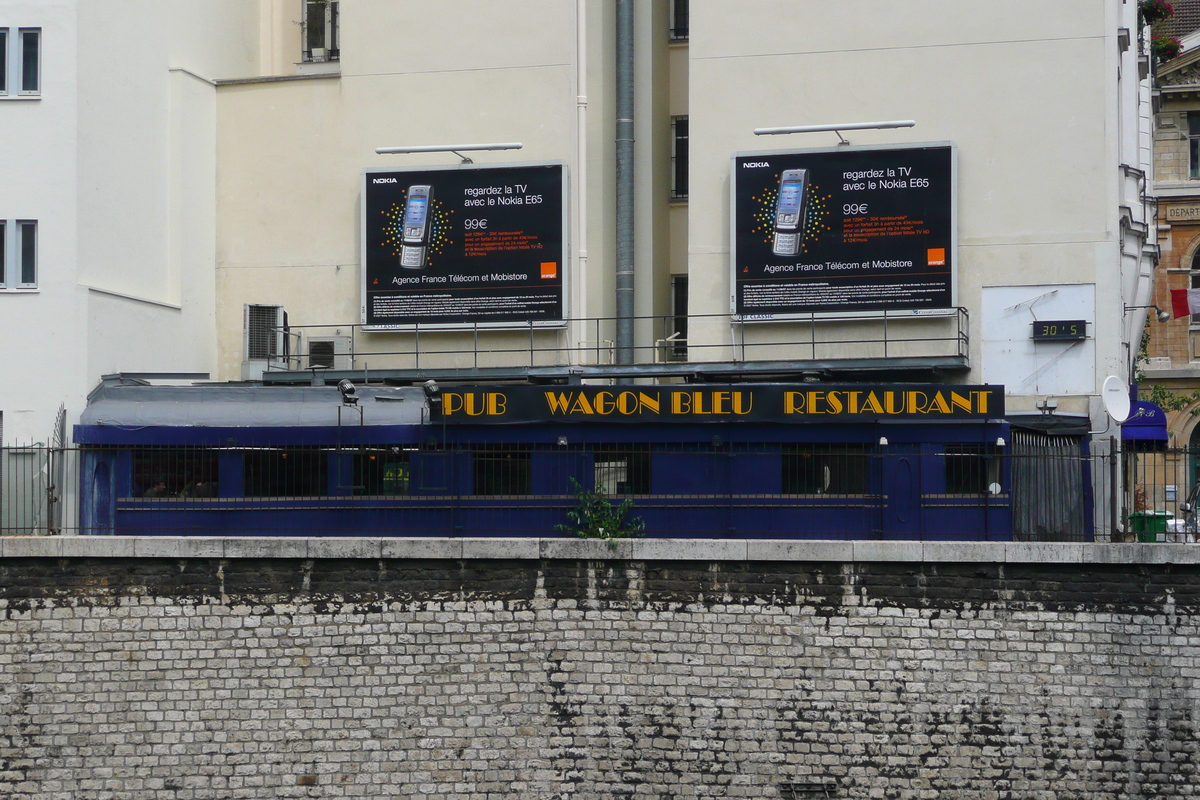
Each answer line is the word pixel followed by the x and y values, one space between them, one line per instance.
pixel 711 344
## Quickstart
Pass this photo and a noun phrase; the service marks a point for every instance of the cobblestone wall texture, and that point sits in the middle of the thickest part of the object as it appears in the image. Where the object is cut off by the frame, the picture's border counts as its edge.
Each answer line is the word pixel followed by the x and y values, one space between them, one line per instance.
pixel 211 678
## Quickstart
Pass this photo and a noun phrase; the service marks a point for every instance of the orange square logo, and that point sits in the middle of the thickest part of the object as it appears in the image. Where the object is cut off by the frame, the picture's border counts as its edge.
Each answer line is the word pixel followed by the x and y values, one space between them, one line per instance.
pixel 937 256
pixel 549 269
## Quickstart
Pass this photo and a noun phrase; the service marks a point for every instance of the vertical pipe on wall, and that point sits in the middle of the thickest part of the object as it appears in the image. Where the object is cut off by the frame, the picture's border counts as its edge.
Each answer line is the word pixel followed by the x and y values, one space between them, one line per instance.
pixel 624 178
pixel 581 155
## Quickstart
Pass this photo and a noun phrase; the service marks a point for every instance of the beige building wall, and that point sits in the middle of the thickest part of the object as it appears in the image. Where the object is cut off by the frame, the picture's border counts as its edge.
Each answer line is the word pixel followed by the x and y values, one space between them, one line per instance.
pixel 1036 200
pixel 292 149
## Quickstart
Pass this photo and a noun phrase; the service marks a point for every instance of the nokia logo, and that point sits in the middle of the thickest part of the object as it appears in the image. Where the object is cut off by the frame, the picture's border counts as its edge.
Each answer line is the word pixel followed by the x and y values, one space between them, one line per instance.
pixel 383 180
pixel 755 164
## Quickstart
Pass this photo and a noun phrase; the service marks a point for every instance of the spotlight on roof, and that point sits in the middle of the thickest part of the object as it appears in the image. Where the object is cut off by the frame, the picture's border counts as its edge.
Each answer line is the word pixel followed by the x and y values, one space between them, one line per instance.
pixel 433 392
pixel 349 394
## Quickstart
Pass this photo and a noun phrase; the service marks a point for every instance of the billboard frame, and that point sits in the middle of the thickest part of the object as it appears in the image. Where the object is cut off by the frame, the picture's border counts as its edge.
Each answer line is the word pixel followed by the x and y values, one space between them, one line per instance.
pixel 403 327
pixel 914 313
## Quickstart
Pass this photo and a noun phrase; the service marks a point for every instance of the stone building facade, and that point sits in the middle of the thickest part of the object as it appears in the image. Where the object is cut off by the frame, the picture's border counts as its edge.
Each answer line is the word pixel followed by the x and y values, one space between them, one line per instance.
pixel 475 670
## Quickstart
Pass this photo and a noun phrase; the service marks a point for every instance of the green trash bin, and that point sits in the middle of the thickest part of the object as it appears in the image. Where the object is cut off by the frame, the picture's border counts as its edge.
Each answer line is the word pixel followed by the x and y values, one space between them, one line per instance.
pixel 1150 526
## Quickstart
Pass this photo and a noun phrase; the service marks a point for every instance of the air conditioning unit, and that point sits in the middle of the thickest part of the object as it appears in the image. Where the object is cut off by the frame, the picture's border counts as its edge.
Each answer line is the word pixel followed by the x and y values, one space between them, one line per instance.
pixel 264 340
pixel 330 352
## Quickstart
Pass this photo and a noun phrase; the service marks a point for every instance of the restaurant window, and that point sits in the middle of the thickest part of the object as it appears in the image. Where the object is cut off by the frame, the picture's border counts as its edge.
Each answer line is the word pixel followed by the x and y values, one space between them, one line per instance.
pixel 825 469
pixel 163 472
pixel 972 468
pixel 621 471
pixel 502 471
pixel 286 473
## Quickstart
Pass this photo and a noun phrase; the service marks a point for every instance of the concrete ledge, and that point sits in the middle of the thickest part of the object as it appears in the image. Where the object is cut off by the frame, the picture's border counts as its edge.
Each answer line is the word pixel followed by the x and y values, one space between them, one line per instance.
pixel 534 548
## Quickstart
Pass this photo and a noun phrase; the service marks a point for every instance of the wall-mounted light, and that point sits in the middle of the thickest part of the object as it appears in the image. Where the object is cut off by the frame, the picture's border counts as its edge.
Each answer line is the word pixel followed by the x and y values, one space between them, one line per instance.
pixel 457 149
pixel 836 128
pixel 562 441
pixel 1047 406
pixel 1163 316
pixel 883 441
pixel 1000 441
pixel 433 392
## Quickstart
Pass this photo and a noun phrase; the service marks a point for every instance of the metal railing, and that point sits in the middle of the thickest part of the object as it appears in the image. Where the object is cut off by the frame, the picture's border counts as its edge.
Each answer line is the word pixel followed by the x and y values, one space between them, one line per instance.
pixel 710 489
pixel 816 338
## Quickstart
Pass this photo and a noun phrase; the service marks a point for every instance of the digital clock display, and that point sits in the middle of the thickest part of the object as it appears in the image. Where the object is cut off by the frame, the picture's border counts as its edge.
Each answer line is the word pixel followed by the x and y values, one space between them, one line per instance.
pixel 1059 329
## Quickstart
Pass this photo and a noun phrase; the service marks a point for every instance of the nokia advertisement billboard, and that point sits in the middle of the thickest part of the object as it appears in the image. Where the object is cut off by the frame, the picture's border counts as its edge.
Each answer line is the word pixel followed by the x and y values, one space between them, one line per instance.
pixel 843 230
pixel 464 245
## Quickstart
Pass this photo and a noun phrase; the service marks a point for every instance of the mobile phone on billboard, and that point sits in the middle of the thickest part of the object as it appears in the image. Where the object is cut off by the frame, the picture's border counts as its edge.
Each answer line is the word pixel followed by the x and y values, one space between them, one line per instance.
pixel 790 207
pixel 416 227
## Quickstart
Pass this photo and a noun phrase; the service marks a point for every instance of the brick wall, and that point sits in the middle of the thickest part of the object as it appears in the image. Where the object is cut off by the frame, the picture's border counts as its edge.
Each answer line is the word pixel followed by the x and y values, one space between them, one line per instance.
pixel 565 670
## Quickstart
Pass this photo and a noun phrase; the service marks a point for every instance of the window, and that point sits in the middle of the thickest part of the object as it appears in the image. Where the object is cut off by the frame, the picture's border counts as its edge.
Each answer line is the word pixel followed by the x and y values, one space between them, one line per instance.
pixel 18 254
pixel 825 469
pixel 502 472
pixel 20 62
pixel 678 350
pixel 174 472
pixel 1194 282
pixel 621 471
pixel 1193 124
pixel 286 473
pixel 971 468
pixel 381 472
pixel 321 30
pixel 679 20
pixel 679 158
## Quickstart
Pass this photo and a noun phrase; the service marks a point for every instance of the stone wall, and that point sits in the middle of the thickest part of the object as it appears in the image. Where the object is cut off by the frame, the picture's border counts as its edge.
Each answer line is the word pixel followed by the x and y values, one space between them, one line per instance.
pixel 557 669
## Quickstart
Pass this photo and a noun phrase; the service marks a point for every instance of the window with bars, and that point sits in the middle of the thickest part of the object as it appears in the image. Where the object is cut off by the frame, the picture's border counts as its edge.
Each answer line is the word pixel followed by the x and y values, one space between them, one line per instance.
pixel 679 20
pixel 679 158
pixel 321 30
pixel 18 254
pixel 679 318
pixel 20 62
pixel 826 469
pixel 972 468
pixel 622 471
pixel 502 471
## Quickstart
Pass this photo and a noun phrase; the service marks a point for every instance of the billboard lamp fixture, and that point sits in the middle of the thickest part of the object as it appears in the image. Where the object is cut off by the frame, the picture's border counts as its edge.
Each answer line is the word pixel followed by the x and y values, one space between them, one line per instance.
pixel 837 128
pixel 1162 316
pixel 449 148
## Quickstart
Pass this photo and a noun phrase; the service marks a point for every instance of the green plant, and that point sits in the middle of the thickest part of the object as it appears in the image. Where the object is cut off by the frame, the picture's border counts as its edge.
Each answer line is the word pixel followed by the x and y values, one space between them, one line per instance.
pixel 1151 11
pixel 1165 47
pixel 597 517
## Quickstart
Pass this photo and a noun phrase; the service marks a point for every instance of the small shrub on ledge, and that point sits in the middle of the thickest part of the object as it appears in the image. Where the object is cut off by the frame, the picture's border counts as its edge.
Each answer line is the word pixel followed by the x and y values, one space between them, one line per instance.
pixel 596 517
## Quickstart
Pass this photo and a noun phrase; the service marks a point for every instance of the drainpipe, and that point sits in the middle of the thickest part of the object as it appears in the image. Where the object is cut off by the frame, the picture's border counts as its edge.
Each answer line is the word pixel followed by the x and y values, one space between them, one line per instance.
pixel 624 181
pixel 581 172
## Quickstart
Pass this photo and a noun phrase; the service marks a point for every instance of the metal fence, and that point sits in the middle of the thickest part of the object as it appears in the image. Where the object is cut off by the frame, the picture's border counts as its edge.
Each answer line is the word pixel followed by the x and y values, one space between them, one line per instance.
pixel 1034 488
pixel 702 338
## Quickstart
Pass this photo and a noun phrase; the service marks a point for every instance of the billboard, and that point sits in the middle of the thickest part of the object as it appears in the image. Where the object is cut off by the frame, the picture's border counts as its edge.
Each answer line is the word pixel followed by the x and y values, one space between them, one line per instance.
pixel 847 229
pixel 464 245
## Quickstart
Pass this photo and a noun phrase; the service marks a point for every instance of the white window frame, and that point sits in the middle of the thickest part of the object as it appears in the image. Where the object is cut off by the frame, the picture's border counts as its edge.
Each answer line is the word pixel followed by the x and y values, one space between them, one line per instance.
pixel 12 86
pixel 12 269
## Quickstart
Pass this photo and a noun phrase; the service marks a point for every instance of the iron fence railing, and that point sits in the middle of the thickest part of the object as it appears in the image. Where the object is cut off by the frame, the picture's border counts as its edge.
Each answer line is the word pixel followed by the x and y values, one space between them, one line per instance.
pixel 660 339
pixel 736 490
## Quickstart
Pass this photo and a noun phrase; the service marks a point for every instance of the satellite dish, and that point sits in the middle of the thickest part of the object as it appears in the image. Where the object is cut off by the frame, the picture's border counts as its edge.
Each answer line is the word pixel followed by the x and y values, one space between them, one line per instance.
pixel 1116 398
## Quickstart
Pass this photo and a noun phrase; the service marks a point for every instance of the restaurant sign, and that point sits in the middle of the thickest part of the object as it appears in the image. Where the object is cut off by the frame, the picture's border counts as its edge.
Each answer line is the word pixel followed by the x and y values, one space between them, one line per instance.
pixel 808 402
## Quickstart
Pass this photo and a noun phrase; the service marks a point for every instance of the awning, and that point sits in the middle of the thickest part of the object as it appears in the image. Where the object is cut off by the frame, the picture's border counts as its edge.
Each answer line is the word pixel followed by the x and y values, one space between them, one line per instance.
pixel 1146 426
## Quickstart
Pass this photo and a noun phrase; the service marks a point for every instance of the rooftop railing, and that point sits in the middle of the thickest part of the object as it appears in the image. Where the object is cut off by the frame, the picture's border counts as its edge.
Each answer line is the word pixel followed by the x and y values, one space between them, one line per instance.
pixel 665 345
